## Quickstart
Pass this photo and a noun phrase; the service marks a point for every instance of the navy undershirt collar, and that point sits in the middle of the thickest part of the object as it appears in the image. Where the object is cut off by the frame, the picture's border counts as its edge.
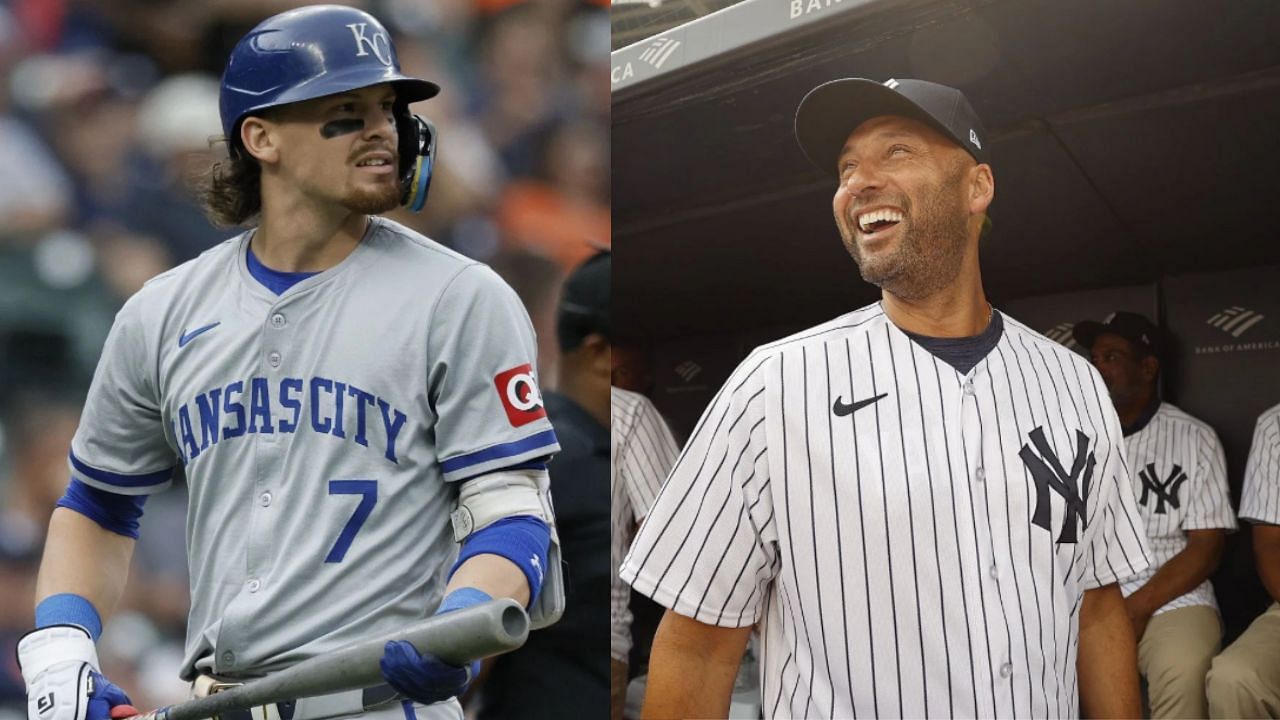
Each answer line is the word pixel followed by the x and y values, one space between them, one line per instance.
pixel 965 352
pixel 277 281
pixel 1144 419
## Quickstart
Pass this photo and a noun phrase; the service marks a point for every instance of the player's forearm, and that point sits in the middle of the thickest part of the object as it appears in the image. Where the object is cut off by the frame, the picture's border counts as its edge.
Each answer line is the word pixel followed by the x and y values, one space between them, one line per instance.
pixel 1107 663
pixel 81 557
pixel 1266 549
pixel 494 574
pixel 617 688
pixel 1182 573
pixel 692 668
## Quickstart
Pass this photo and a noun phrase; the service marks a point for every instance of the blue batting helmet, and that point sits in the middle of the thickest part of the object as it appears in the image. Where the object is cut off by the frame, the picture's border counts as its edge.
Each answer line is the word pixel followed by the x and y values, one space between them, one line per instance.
pixel 322 50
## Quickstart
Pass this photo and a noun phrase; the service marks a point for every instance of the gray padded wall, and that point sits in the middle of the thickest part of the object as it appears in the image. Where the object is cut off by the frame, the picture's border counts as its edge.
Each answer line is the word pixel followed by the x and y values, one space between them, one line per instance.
pixel 1227 328
pixel 1055 315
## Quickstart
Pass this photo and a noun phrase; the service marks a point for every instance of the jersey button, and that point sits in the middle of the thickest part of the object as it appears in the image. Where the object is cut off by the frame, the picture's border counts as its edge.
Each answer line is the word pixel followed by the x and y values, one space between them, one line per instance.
pixel 254 585
pixel 1006 670
pixel 265 499
pixel 994 571
pixel 968 387
pixel 274 359
pixel 277 321
pixel 980 475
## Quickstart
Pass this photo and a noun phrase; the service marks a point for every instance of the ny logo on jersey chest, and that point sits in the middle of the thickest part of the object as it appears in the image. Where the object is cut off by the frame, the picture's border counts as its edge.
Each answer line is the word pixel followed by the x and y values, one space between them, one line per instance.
pixel 1048 473
pixel 1165 492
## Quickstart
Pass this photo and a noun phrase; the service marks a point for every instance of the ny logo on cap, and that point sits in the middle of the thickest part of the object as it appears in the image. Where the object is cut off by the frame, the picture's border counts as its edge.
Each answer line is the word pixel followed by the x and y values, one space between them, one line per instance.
pixel 1048 473
pixel 380 45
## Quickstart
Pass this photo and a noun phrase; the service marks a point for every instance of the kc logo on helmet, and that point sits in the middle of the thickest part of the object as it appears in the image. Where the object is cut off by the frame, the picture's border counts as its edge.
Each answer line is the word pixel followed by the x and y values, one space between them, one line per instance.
pixel 379 44
pixel 519 394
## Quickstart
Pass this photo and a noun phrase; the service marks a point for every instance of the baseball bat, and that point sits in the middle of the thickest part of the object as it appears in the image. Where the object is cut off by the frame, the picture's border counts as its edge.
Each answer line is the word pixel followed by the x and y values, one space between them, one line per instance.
pixel 457 637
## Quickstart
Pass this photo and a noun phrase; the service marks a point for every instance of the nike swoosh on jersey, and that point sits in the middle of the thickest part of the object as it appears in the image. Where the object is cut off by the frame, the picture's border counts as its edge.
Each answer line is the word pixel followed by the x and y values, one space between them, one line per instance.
pixel 841 408
pixel 188 337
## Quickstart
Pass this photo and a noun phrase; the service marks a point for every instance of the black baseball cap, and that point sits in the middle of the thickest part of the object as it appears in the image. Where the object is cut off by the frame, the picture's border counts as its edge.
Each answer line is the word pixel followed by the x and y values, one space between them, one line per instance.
pixel 585 302
pixel 830 112
pixel 1133 327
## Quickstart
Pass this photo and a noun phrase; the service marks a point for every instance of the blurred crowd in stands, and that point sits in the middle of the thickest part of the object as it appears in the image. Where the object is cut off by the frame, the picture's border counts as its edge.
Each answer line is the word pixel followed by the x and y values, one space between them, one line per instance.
pixel 108 113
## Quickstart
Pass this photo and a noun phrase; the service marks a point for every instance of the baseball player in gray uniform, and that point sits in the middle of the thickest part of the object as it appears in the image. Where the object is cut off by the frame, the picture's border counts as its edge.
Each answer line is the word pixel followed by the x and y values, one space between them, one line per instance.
pixel 923 504
pixel 1244 680
pixel 333 386
pixel 1179 476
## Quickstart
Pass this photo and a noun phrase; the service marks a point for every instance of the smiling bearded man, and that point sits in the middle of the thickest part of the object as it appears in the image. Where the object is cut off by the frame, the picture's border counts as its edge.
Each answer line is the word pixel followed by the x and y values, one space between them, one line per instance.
pixel 932 239
pixel 922 505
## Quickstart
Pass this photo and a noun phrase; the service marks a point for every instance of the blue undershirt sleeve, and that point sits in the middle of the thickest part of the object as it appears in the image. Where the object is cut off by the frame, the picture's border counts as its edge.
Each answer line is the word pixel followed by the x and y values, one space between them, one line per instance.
pixel 116 513
pixel 522 539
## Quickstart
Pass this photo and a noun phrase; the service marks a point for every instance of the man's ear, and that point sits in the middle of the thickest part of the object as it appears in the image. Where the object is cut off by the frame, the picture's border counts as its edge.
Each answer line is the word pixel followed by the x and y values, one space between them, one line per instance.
pixel 599 351
pixel 982 188
pixel 260 139
pixel 1150 367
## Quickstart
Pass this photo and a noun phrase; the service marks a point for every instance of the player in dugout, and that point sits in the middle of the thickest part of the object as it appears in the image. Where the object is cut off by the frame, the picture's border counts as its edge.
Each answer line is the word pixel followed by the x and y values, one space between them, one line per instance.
pixel 1179 475
pixel 333 386
pixel 923 504
pixel 1244 679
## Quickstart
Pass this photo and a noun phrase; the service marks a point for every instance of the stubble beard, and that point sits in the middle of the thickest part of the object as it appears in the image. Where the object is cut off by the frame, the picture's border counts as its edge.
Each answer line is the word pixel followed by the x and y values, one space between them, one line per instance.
pixel 929 253
pixel 373 201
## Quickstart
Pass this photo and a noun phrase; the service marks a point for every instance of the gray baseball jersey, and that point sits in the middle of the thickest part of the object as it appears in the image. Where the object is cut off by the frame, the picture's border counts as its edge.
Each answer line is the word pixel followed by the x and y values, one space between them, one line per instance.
pixel 1260 499
pixel 1179 476
pixel 913 541
pixel 642 452
pixel 321 431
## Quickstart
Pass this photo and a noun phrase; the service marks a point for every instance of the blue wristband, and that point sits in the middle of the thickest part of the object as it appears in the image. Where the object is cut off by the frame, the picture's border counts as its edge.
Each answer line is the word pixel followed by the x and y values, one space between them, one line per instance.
pixel 463 597
pixel 69 609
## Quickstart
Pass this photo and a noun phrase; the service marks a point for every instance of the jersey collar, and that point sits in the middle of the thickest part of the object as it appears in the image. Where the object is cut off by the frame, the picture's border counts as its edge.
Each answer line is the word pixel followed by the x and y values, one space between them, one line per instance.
pixel 358 257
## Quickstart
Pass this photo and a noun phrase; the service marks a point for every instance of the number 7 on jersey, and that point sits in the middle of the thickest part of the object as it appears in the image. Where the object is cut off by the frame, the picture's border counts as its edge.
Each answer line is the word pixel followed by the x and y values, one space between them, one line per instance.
pixel 368 490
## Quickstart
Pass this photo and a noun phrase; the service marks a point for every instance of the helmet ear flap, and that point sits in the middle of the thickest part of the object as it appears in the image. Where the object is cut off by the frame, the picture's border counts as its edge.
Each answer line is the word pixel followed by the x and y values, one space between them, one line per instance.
pixel 417 140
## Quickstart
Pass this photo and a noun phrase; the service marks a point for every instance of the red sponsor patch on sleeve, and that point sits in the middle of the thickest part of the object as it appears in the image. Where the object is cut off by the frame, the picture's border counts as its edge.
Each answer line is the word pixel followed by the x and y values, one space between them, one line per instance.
pixel 519 394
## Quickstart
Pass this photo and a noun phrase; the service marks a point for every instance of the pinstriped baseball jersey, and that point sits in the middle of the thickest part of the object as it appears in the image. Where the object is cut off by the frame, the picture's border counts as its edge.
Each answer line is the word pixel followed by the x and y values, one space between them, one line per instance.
pixel 322 433
pixel 642 453
pixel 1179 476
pixel 912 540
pixel 1260 499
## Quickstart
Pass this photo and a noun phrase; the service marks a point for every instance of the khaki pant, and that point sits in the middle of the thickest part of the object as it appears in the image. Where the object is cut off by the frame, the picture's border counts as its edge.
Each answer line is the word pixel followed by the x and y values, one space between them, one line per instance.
pixel 1174 655
pixel 1244 681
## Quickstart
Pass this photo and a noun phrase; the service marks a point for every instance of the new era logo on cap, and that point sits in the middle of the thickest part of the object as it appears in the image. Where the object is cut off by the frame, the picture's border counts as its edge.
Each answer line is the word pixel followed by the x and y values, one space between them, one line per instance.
pixel 891 83
pixel 973 138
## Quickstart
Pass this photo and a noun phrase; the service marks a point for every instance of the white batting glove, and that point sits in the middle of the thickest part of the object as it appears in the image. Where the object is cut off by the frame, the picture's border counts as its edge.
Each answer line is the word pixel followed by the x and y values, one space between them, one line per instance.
pixel 59 664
